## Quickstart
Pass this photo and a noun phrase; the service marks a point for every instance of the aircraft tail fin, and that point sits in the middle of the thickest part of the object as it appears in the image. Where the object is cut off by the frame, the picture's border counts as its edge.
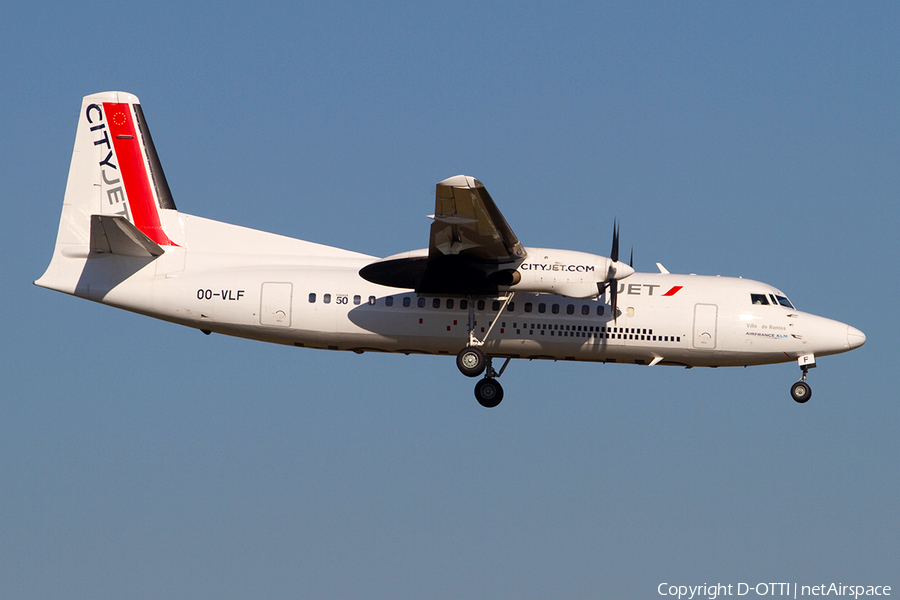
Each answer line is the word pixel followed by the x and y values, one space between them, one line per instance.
pixel 117 198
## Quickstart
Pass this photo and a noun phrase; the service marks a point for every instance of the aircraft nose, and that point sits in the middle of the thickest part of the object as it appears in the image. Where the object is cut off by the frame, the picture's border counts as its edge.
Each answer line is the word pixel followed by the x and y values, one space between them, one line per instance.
pixel 855 337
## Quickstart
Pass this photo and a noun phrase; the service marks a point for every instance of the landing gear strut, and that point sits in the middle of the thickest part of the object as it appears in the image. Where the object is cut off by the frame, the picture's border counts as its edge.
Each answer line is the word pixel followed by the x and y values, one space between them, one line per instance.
pixel 472 362
pixel 800 391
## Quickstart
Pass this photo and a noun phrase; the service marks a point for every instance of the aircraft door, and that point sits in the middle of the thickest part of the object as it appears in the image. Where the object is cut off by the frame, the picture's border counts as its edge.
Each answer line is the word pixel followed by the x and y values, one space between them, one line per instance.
pixel 705 326
pixel 275 304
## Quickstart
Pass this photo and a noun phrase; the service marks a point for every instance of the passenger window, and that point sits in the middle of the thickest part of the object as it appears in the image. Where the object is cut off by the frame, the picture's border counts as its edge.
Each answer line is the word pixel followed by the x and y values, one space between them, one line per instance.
pixel 357 299
pixel 450 302
pixel 600 311
pixel 528 307
pixel 511 306
pixel 759 299
pixel 555 309
pixel 481 305
pixel 463 305
pixel 542 308
pixel 326 298
pixel 585 310
pixel 436 303
pixel 389 301
pixel 406 301
pixel 372 300
pixel 420 302
pixel 312 297
pixel 570 309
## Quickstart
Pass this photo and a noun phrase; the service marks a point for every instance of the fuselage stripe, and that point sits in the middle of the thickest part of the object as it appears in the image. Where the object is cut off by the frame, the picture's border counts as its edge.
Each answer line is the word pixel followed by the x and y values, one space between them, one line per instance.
pixel 675 289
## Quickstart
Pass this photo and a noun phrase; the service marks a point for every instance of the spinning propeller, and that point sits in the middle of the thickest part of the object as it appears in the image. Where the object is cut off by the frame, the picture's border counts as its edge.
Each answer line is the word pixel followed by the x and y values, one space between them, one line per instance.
pixel 615 271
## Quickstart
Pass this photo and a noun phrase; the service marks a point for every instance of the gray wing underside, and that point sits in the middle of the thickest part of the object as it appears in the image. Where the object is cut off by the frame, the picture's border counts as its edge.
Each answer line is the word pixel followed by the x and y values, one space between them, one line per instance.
pixel 468 223
pixel 472 249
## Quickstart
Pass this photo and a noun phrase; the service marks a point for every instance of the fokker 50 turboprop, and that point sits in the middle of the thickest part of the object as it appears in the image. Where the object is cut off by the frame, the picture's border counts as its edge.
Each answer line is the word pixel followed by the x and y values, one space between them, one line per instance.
pixel 476 292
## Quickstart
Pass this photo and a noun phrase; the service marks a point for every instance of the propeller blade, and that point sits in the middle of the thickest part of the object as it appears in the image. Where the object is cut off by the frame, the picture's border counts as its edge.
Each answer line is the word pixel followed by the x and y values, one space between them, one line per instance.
pixel 631 260
pixel 613 297
pixel 611 283
pixel 614 255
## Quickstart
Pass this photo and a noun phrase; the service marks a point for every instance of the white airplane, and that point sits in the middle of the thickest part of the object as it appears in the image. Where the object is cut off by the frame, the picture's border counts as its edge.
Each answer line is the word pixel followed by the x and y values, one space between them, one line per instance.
pixel 475 292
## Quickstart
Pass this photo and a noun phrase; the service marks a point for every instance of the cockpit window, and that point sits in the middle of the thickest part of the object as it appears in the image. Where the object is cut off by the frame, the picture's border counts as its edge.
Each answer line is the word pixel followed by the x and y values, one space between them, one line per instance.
pixel 763 300
pixel 784 301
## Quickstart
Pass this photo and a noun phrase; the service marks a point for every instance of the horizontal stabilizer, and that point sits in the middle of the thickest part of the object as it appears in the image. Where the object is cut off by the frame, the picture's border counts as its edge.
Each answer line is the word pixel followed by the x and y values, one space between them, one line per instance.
pixel 117 235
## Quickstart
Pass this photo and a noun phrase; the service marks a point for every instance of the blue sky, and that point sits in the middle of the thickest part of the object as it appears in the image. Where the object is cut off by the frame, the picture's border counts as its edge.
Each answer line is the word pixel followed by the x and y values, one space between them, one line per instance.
pixel 762 140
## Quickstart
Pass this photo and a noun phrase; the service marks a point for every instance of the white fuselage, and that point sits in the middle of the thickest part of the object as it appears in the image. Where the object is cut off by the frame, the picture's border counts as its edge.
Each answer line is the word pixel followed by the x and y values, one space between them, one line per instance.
pixel 237 281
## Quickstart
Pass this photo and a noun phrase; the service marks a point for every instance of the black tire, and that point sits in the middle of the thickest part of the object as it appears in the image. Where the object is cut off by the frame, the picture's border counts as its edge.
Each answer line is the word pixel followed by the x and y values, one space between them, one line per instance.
pixel 801 392
pixel 470 361
pixel 488 392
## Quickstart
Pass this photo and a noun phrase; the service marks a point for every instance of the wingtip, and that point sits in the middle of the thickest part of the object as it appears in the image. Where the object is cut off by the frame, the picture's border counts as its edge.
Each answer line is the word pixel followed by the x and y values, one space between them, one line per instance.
pixel 462 181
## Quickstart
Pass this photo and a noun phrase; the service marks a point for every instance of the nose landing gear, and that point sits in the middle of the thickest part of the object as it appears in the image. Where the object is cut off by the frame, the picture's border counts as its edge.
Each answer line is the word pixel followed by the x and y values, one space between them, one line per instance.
pixel 800 391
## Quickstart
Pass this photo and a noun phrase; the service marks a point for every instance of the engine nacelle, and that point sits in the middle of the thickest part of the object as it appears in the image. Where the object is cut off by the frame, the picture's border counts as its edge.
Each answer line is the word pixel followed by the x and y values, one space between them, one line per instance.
pixel 566 273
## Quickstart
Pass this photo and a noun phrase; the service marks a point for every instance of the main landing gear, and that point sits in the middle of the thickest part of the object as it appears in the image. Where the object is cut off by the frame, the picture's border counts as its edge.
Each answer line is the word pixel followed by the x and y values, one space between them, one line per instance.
pixel 472 362
pixel 800 391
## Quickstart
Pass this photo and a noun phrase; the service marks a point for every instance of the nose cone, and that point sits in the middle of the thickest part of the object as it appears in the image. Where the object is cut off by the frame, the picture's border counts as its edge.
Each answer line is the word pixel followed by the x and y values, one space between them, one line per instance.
pixel 855 337
pixel 823 337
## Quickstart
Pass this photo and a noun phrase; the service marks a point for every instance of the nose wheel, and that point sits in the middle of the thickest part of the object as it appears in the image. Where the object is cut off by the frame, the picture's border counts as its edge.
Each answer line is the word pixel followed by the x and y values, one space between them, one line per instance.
pixel 800 391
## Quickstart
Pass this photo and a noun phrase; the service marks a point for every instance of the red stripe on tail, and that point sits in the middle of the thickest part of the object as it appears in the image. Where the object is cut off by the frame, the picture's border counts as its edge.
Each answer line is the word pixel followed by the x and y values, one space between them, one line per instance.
pixel 134 174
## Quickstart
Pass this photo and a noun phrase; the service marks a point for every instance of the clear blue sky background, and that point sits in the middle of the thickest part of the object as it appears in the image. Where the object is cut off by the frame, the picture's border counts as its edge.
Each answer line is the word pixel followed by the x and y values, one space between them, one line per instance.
pixel 143 460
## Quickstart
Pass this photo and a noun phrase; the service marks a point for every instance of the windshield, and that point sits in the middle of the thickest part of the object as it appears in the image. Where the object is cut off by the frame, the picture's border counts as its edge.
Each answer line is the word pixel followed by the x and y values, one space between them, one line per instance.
pixel 784 301
pixel 762 299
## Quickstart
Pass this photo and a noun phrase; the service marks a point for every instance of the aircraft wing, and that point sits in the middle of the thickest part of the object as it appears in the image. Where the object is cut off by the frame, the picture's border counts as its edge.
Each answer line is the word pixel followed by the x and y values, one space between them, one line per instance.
pixel 468 223
pixel 471 251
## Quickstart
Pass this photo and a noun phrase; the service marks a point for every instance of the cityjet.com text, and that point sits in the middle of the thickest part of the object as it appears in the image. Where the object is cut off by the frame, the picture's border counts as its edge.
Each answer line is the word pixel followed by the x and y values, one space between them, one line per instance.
pixel 791 590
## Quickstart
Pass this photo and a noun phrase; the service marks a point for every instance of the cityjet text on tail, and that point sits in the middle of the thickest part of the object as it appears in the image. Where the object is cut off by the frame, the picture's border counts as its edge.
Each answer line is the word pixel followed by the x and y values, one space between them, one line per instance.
pixel 476 292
